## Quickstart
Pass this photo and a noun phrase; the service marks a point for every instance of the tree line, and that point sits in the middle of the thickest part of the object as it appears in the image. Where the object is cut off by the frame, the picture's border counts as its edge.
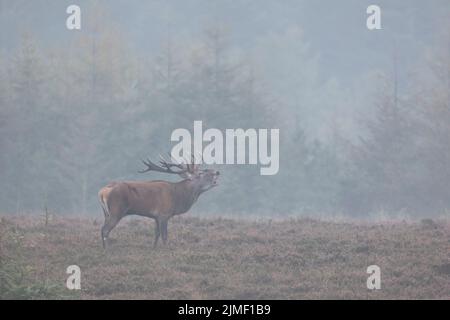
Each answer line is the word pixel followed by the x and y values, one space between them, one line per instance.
pixel 75 117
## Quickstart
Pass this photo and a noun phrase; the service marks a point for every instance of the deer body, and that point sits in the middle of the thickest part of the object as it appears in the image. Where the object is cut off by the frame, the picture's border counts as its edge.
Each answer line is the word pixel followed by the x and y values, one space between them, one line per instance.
pixel 156 199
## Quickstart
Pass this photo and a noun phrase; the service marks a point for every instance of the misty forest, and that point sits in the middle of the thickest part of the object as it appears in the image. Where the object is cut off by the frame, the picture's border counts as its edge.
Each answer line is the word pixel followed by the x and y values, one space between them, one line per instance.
pixel 364 116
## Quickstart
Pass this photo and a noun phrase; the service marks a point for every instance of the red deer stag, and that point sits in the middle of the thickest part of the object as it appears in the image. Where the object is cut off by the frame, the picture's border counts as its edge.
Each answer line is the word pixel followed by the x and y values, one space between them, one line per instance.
pixel 156 199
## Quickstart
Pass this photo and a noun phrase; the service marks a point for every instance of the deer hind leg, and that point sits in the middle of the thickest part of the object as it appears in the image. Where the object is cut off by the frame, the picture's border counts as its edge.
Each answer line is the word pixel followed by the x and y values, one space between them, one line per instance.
pixel 110 223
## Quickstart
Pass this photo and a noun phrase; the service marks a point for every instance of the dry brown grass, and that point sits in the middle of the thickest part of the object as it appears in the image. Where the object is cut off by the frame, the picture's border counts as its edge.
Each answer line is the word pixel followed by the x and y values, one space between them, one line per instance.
pixel 229 259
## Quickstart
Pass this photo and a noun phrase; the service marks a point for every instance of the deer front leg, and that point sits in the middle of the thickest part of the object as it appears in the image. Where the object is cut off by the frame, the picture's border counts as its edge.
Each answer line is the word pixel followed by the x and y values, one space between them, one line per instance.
pixel 164 230
pixel 157 232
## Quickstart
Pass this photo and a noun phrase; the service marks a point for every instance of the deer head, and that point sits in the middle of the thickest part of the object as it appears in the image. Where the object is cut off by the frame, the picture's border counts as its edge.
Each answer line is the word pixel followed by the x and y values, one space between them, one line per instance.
pixel 202 179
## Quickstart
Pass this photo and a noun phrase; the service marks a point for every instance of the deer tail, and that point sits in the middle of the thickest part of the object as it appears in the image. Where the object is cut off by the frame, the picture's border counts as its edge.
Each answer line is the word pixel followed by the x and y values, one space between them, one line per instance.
pixel 104 204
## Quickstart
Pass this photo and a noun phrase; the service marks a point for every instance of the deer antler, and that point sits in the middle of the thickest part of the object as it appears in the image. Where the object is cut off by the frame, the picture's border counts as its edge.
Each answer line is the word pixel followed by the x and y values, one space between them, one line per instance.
pixel 164 166
pixel 167 166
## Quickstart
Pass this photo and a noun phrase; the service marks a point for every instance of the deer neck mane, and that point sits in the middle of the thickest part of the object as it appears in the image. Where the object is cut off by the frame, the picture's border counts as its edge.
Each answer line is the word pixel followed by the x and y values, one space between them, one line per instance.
pixel 187 193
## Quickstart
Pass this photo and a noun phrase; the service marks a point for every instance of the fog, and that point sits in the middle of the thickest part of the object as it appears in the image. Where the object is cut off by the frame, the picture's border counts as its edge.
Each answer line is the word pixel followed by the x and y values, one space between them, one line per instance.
pixel 364 115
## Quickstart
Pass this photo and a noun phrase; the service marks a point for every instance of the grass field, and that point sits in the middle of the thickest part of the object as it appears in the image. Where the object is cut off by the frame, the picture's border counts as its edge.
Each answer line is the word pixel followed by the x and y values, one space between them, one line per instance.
pixel 224 259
